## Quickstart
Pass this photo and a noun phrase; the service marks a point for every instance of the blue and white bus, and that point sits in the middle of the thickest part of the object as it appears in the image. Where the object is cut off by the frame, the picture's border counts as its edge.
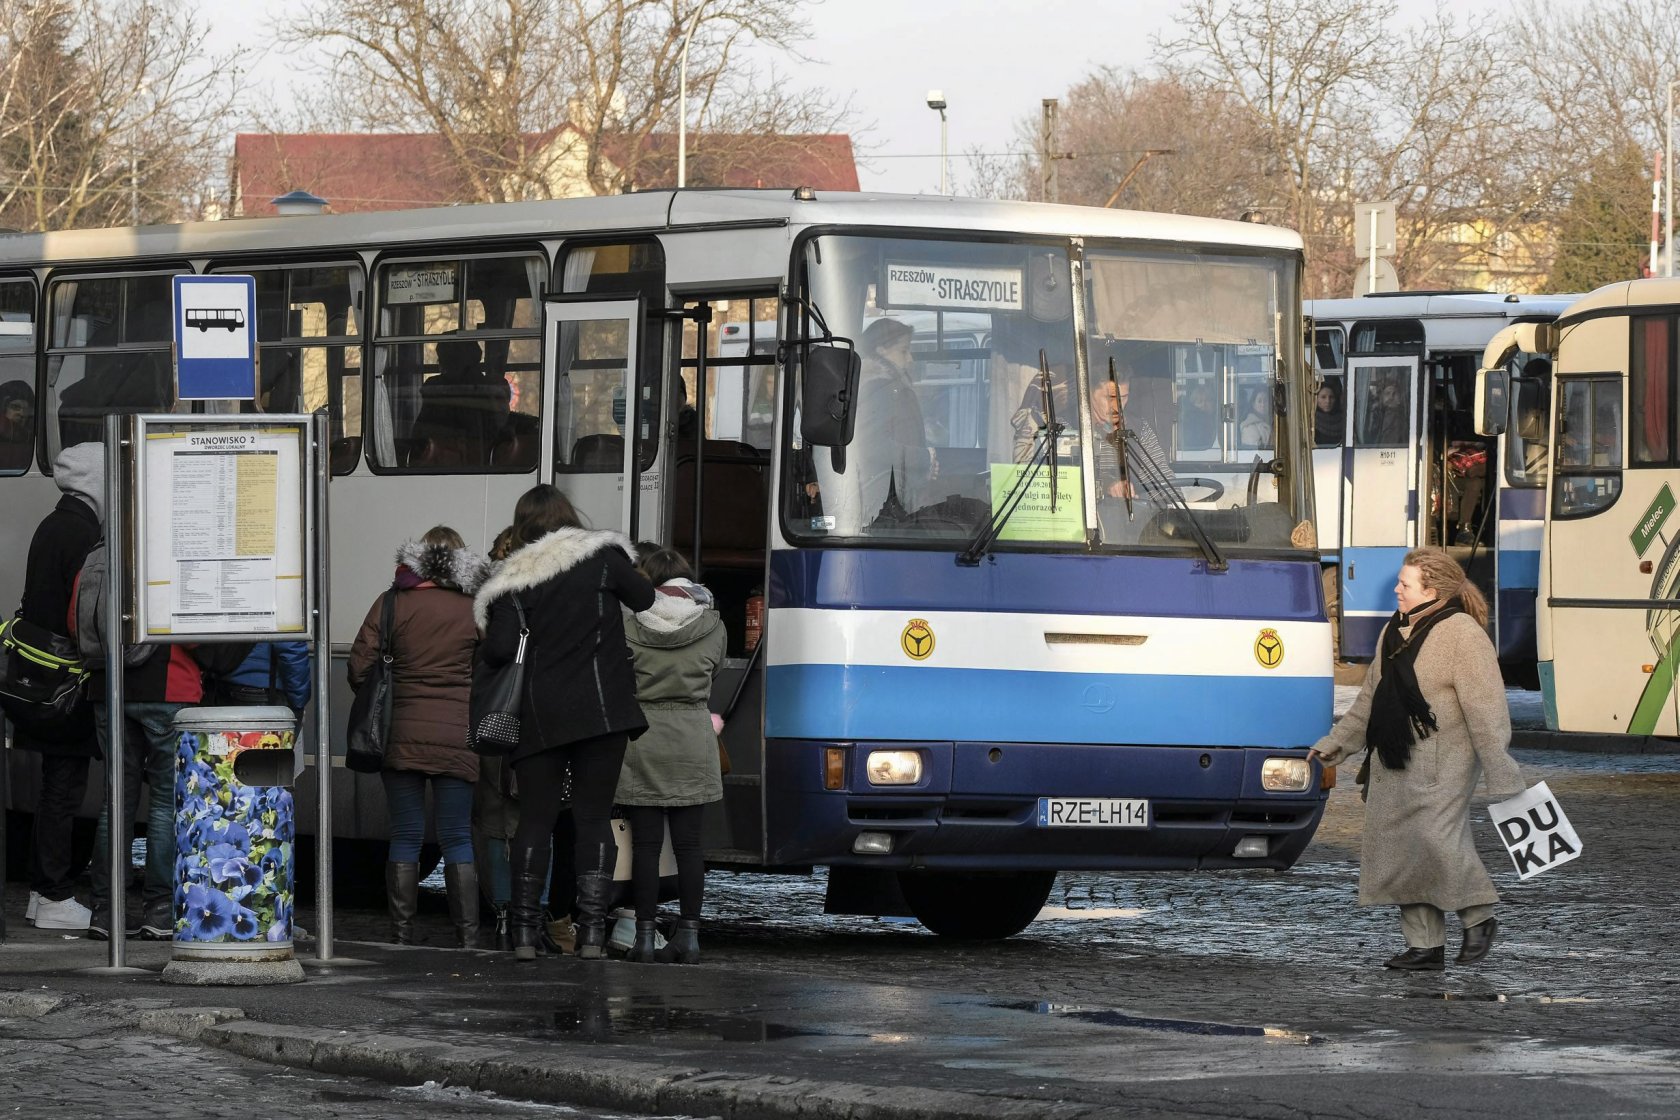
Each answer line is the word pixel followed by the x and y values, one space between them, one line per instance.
pixel 1409 469
pixel 968 678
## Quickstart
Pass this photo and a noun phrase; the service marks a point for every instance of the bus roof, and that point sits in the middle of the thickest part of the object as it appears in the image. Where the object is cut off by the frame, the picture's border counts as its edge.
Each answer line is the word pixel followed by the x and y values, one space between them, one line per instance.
pixel 1630 294
pixel 649 211
pixel 1438 305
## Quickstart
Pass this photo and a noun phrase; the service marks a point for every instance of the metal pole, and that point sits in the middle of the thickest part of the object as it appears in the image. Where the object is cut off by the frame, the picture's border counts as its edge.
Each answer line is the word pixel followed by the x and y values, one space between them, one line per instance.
pixel 120 827
pixel 682 100
pixel 944 161
pixel 1373 262
pixel 321 437
pixel 1668 188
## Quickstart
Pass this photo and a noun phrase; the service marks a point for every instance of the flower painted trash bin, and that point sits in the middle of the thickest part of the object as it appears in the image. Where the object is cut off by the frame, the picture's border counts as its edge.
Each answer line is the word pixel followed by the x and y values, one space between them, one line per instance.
pixel 234 834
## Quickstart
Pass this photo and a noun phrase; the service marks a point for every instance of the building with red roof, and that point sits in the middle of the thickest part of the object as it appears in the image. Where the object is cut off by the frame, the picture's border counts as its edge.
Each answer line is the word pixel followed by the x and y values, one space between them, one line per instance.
pixel 378 171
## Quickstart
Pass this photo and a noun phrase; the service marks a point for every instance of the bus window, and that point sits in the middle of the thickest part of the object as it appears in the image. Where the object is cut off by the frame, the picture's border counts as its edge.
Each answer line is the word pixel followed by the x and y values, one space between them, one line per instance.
pixel 1382 406
pixel 1589 456
pixel 1650 397
pixel 17 375
pixel 590 426
pixel 309 348
pixel 1329 413
pixel 457 364
pixel 108 353
pixel 1525 458
pixel 741 367
pixel 1330 349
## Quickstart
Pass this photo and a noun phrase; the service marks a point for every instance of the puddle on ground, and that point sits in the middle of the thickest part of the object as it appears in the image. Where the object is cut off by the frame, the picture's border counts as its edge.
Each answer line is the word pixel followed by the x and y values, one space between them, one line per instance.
pixel 608 1022
pixel 1496 997
pixel 1109 1017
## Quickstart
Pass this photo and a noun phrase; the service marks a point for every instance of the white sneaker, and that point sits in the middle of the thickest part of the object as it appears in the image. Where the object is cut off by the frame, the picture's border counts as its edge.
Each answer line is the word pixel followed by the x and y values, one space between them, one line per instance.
pixel 622 932
pixel 34 904
pixel 68 914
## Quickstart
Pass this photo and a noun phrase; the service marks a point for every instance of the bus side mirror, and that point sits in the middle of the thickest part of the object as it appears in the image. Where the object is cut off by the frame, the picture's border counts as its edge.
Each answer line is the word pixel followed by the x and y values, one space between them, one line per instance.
pixel 1493 401
pixel 828 390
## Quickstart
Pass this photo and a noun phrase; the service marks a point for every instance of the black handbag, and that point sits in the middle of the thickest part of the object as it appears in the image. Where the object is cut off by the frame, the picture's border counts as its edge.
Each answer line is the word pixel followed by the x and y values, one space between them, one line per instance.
pixel 41 673
pixel 370 713
pixel 493 716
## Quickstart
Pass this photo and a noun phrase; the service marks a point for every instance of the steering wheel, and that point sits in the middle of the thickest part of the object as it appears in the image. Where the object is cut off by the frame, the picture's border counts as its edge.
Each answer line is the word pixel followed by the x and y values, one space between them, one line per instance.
pixel 1214 487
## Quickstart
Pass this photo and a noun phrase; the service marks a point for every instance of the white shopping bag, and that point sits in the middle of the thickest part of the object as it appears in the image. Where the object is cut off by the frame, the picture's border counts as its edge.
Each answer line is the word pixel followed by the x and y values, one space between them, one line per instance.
pixel 621 837
pixel 1535 831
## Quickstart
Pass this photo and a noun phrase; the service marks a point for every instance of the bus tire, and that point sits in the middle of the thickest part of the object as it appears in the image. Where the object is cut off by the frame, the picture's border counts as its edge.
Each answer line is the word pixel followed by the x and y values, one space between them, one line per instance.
pixel 976 906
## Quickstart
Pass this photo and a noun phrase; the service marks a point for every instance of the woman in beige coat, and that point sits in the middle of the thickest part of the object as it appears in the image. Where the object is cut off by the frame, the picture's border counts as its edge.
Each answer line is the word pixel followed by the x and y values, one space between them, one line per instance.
pixel 1431 718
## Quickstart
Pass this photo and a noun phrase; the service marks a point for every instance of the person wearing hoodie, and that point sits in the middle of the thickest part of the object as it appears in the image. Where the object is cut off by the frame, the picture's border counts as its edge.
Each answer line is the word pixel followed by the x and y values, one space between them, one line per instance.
pixel 579 706
pixel 432 642
pixel 671 773
pixel 56 552
pixel 154 691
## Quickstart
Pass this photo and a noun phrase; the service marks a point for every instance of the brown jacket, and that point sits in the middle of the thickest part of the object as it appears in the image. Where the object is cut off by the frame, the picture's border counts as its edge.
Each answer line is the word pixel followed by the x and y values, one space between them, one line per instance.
pixel 432 672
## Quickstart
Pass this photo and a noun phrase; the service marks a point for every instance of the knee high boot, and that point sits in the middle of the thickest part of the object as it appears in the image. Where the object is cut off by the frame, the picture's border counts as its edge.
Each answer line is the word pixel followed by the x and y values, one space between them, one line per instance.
pixel 402 893
pixel 530 874
pixel 594 887
pixel 460 881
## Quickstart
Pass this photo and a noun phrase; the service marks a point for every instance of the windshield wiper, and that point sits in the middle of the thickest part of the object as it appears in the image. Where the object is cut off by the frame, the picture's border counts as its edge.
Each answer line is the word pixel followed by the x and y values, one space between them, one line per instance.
pixel 1156 482
pixel 1045 449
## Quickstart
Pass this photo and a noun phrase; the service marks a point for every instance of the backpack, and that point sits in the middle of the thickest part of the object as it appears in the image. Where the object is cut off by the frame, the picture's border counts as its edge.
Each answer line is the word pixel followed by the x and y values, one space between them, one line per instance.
pixel 87 612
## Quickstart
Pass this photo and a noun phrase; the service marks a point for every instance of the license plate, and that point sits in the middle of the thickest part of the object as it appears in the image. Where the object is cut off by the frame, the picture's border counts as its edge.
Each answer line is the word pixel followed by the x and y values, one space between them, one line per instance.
pixel 1092 812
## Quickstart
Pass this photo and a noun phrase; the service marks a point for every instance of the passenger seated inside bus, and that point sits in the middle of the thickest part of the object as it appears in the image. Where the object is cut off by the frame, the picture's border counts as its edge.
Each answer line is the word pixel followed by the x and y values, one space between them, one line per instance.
pixel 17 425
pixel 1256 427
pixel 1198 418
pixel 1384 422
pixel 1329 417
pixel 464 409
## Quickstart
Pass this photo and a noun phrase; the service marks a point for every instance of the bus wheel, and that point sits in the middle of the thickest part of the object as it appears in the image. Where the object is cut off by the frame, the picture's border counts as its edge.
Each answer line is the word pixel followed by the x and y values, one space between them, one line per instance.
pixel 976 906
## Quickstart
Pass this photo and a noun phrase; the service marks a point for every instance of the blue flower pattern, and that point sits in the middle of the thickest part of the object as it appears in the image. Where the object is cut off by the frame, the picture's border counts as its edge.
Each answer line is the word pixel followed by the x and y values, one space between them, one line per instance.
pixel 234 870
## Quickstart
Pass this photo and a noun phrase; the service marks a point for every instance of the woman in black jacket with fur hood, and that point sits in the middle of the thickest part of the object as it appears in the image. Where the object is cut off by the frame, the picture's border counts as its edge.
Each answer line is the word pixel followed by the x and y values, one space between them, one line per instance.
pixel 579 707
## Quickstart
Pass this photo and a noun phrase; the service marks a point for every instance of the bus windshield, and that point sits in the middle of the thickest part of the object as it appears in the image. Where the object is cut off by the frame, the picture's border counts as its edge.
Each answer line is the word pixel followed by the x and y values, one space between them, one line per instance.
pixel 967 354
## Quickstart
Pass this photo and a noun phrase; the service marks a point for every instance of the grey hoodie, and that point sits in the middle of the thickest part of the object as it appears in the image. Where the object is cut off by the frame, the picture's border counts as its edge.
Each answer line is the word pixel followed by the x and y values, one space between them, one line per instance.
pixel 80 470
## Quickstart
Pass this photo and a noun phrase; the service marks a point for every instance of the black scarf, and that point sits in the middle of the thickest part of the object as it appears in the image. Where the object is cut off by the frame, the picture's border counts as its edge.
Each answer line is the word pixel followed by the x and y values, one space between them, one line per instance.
pixel 1400 716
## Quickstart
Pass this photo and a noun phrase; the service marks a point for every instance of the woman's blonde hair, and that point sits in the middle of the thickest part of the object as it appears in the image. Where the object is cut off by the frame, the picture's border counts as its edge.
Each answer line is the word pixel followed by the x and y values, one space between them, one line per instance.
pixel 1442 575
pixel 442 536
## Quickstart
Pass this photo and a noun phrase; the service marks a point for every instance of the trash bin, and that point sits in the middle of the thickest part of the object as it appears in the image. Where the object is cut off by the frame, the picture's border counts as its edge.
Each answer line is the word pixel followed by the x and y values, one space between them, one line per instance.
pixel 233 847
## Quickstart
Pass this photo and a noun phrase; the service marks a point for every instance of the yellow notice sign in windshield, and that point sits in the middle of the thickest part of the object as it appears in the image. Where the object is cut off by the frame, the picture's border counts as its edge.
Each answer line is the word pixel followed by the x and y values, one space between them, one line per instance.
pixel 1033 519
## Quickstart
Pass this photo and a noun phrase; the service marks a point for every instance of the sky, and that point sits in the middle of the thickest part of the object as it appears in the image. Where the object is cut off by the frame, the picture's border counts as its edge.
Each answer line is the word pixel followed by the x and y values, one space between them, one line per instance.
pixel 994 63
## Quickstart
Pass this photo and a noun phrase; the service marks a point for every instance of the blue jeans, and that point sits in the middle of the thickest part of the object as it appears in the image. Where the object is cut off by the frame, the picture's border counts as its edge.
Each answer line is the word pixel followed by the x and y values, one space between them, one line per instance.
pixel 405 804
pixel 149 745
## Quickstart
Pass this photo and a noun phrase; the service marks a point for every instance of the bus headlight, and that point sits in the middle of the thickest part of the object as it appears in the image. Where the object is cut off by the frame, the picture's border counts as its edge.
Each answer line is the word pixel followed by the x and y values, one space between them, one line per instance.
pixel 1285 775
pixel 894 768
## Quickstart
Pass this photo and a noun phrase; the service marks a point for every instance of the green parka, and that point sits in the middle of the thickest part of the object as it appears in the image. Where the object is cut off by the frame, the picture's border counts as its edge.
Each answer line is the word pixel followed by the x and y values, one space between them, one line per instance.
pixel 677 645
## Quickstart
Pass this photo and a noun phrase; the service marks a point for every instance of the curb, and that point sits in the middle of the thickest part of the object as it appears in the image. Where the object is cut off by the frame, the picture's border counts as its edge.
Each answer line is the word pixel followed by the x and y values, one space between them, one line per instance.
pixel 611 1083
pixel 1587 743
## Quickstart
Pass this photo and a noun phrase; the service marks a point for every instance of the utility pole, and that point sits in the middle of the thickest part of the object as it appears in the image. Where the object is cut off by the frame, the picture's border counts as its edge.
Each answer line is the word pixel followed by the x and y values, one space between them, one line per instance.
pixel 1047 150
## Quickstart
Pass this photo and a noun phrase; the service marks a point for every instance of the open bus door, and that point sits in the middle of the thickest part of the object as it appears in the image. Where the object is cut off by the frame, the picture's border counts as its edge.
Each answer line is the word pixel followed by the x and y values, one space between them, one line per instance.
pixel 1380 519
pixel 590 363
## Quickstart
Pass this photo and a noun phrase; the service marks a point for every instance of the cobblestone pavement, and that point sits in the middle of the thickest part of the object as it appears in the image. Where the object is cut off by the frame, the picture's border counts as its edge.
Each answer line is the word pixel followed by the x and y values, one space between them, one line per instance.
pixel 77 1065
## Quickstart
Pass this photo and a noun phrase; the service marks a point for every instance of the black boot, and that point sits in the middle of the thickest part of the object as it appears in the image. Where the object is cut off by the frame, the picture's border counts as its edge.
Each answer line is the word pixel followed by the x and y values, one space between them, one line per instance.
pixel 460 881
pixel 594 888
pixel 402 892
pixel 684 946
pixel 643 950
pixel 1419 960
pixel 530 874
pixel 1478 939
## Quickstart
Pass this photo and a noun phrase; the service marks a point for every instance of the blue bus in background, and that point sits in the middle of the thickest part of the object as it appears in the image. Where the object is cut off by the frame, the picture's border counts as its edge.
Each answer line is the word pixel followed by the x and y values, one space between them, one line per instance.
pixel 1408 467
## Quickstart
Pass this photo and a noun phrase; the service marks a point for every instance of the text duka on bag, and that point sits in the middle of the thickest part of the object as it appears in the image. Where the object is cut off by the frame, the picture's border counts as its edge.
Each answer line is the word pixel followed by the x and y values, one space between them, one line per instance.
pixel 1535 831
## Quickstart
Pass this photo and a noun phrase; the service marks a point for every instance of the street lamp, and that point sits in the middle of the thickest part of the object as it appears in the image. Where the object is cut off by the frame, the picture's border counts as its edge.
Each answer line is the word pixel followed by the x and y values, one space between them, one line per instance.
pixel 936 100
pixel 682 100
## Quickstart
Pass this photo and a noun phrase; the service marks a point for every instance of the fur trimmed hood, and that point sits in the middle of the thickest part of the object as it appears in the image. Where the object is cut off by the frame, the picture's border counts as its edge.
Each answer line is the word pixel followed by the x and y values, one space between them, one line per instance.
pixel 677 618
pixel 458 569
pixel 542 560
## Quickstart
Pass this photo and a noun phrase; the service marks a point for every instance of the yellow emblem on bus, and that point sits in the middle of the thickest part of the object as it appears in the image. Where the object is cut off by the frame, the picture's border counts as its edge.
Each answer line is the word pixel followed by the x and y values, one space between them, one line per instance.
pixel 1268 649
pixel 917 640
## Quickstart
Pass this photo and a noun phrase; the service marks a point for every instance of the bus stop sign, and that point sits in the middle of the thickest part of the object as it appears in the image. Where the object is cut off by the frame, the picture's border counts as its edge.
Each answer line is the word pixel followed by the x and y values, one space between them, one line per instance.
pixel 215 338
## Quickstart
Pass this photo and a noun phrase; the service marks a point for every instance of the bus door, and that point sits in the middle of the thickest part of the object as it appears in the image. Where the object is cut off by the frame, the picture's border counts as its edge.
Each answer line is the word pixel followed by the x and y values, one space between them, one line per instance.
pixel 590 362
pixel 1380 502
pixel 1329 437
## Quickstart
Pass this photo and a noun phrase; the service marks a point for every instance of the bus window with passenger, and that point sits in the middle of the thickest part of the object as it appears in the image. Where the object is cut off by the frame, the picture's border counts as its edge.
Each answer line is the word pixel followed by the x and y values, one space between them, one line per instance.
pixel 17 375
pixel 108 353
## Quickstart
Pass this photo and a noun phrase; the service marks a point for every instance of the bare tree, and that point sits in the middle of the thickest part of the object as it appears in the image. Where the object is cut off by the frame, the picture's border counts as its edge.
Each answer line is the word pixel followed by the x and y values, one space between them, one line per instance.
pixel 110 113
pixel 528 94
